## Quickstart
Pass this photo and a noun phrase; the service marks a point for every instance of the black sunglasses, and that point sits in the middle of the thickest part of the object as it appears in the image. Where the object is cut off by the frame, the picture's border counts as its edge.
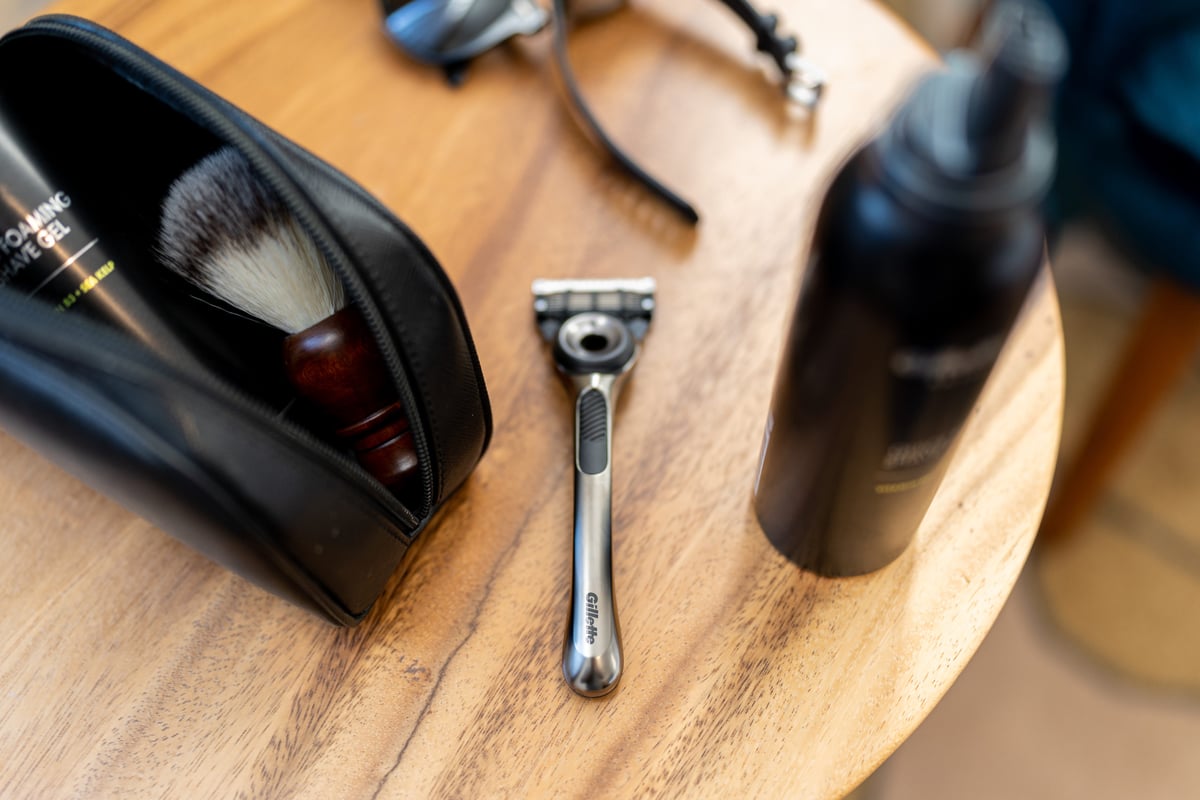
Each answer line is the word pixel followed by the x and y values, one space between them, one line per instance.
pixel 449 33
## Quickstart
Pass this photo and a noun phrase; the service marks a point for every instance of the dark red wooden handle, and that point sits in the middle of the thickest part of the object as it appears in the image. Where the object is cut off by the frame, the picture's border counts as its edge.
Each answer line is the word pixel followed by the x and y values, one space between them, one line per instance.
pixel 336 366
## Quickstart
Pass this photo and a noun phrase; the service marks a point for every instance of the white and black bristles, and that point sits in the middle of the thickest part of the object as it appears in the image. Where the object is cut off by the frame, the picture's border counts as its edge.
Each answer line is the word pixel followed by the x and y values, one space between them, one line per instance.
pixel 226 231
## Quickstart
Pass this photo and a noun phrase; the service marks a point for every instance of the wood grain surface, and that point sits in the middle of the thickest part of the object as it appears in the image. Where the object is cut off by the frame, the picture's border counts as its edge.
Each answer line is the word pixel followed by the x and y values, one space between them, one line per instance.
pixel 130 666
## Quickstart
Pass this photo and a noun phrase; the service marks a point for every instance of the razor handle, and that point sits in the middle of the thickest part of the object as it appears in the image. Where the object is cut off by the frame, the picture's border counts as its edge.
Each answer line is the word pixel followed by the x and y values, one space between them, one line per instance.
pixel 594 352
pixel 592 644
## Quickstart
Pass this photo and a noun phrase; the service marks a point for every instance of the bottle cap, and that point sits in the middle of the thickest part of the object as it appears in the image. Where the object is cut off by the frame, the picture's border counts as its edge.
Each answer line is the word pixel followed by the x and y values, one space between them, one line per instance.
pixel 976 136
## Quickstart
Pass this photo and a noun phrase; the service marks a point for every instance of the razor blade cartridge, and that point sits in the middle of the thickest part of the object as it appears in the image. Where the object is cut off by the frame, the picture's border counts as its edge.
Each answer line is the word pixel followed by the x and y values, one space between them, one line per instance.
pixel 631 301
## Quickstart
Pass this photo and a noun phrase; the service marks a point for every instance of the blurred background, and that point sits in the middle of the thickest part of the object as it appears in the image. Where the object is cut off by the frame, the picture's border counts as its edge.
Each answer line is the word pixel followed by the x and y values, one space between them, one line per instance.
pixel 1088 685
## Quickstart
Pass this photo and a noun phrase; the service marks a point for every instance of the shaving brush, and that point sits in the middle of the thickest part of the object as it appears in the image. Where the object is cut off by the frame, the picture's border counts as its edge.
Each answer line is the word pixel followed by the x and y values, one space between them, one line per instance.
pixel 226 232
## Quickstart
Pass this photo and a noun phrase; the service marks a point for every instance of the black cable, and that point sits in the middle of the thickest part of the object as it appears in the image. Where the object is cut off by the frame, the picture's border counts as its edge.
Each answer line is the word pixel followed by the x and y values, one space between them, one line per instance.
pixel 684 208
pixel 766 39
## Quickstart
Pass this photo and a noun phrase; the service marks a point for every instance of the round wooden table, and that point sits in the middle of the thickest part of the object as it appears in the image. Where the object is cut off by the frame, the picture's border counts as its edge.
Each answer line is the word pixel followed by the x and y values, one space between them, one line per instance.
pixel 131 666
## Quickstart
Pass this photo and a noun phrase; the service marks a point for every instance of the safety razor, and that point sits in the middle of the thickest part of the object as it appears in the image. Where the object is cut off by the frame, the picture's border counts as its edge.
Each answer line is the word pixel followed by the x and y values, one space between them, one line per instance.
pixel 595 328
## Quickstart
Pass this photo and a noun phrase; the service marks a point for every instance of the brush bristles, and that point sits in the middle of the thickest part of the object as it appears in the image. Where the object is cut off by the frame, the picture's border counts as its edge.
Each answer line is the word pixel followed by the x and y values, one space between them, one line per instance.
pixel 224 230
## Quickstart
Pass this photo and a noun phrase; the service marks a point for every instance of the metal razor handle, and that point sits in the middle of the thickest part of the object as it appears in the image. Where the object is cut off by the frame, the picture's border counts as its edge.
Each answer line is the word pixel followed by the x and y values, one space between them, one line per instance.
pixel 592 644
pixel 596 327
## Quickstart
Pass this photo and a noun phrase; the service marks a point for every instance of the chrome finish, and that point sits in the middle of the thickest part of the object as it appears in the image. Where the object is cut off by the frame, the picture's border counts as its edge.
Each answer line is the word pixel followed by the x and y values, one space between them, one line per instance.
pixel 806 82
pixel 592 336
pixel 596 327
pixel 592 659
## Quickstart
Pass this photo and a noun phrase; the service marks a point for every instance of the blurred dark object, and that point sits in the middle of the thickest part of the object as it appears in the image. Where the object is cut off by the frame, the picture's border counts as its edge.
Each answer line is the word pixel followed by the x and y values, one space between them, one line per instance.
pixel 925 248
pixel 450 33
pixel 1128 118
pixel 1128 122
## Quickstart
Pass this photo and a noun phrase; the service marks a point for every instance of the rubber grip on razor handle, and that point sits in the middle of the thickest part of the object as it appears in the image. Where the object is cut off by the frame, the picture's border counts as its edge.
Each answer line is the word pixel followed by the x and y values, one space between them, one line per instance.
pixel 592 656
pixel 336 366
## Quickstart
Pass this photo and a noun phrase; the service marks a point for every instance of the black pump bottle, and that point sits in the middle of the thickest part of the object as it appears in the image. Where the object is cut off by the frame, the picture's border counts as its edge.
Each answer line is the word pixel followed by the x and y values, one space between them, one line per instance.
pixel 925 248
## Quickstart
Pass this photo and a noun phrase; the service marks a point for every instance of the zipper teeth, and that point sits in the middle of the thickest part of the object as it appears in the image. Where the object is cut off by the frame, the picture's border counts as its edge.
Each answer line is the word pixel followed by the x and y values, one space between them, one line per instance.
pixel 206 109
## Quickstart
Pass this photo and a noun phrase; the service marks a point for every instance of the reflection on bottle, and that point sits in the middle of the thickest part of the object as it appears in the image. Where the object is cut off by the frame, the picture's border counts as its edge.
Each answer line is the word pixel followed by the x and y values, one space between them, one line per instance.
pixel 51 254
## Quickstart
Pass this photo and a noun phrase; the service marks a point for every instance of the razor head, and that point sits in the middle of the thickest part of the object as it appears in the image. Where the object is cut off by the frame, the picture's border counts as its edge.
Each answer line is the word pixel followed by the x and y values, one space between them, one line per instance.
pixel 629 300
pixel 594 325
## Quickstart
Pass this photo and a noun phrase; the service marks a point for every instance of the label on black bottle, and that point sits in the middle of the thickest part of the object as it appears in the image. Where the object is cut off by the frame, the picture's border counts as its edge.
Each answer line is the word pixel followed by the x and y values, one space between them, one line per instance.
pixel 946 366
pixel 935 390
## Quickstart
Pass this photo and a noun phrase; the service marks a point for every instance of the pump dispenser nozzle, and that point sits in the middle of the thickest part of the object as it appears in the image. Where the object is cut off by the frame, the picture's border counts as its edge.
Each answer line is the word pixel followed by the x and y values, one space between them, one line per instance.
pixel 976 135
pixel 1024 55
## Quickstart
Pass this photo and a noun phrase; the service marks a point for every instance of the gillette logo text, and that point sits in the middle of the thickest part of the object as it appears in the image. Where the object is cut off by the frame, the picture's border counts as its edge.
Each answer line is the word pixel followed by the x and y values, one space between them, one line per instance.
pixel 593 611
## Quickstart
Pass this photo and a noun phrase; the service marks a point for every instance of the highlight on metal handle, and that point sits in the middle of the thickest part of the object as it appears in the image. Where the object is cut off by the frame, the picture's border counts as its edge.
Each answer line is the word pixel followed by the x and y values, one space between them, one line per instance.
pixel 592 644
pixel 596 327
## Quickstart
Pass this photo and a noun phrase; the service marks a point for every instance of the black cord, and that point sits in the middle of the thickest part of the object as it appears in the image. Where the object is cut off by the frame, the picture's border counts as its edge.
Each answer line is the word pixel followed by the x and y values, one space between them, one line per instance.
pixel 767 40
pixel 684 208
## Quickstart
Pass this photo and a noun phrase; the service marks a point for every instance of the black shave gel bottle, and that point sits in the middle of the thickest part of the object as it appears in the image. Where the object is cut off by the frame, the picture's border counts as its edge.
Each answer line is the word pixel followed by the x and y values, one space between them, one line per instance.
pixel 925 249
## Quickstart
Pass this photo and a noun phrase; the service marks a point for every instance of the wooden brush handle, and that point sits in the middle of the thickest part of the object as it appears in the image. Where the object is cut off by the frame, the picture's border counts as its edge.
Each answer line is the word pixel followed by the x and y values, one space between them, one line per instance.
pixel 336 366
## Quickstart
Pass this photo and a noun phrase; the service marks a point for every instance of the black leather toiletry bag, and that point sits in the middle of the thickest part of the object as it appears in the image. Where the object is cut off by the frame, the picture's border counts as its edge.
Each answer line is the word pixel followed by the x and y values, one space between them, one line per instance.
pixel 170 402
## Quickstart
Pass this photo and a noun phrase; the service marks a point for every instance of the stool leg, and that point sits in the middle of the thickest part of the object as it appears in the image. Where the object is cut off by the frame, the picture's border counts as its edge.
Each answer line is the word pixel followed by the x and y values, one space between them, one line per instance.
pixel 1162 345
